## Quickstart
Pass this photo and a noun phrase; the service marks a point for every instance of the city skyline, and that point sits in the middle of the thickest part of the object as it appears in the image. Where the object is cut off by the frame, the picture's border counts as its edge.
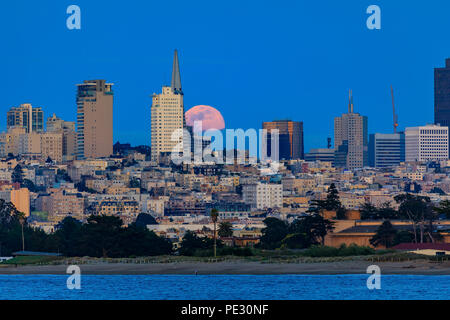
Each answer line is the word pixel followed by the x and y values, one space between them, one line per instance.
pixel 250 70
pixel 228 151
pixel 176 87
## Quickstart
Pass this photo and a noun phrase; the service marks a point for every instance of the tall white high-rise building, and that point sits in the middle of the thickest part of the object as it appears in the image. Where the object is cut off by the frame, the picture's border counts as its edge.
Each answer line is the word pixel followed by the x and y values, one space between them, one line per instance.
pixel 167 113
pixel 426 143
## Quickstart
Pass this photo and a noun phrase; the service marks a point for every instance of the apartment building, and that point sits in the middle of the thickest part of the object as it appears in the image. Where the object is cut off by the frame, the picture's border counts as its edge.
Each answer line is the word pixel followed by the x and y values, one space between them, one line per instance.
pixel 263 195
pixel 426 143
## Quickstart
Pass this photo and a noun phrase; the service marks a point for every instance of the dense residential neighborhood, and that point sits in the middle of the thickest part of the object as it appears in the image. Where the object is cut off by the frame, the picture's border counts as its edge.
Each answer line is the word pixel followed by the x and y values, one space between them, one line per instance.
pixel 129 184
pixel 183 194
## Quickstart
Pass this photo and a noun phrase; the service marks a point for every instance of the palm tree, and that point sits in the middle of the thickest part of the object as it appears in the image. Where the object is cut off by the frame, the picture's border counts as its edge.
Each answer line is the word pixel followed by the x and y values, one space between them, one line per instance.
pixel 22 222
pixel 214 216
pixel 225 229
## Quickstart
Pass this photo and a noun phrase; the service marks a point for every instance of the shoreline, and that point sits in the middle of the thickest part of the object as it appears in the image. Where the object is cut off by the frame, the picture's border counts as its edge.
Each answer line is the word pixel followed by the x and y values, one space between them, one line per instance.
pixel 417 267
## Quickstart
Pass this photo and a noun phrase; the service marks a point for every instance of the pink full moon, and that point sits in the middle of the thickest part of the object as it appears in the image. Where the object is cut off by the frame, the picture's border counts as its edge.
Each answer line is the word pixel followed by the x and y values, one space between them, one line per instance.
pixel 210 117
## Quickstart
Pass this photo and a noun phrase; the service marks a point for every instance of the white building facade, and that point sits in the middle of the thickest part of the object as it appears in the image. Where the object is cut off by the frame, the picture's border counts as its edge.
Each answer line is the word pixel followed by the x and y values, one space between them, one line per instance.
pixel 167 116
pixel 263 195
pixel 426 143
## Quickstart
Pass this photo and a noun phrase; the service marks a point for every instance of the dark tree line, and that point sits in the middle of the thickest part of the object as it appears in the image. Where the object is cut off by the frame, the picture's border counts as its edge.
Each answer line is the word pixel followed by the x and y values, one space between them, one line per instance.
pixel 192 244
pixel 101 236
pixel 388 236
pixel 418 210
pixel 303 232
pixel 105 236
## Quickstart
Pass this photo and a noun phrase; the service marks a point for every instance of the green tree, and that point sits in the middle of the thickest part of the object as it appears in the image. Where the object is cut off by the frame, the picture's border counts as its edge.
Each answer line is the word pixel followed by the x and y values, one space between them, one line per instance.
pixel 62 175
pixel 81 186
pixel 29 185
pixel 314 228
pixel 192 243
pixel 418 210
pixel 296 241
pixel 387 212
pixel 385 235
pixel 145 219
pixel 443 208
pixel 403 237
pixel 134 183
pixel 225 229
pixel 15 231
pixel 100 236
pixel 9 215
pixel 332 202
pixel 17 175
pixel 341 213
pixel 274 232
pixel 139 241
pixel 369 212
pixel 67 236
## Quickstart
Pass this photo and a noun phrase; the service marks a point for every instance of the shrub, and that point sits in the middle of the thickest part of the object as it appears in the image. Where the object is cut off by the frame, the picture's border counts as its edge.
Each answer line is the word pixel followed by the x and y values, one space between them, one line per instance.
pixel 321 251
pixel 342 251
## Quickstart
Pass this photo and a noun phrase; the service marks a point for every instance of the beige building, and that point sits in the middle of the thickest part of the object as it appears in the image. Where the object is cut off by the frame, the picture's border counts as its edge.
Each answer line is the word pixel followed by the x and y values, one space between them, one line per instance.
pixel 61 204
pixel 20 198
pixel 69 137
pixel 9 141
pixel 29 143
pixel 299 186
pixel 350 132
pixel 94 119
pixel 167 116
pixel 128 211
pixel 18 142
pixel 52 146
pixel 155 205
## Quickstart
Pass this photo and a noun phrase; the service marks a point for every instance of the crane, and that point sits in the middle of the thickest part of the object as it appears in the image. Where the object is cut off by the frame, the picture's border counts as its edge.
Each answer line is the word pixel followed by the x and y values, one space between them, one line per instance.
pixel 393 111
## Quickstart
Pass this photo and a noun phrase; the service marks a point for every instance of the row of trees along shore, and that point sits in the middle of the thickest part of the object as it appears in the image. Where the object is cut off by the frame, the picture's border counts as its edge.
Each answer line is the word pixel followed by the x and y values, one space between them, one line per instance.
pixel 418 210
pixel 105 236
pixel 101 236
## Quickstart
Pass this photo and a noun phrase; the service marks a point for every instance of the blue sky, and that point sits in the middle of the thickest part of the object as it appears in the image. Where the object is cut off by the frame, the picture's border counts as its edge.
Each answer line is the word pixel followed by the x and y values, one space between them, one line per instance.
pixel 255 61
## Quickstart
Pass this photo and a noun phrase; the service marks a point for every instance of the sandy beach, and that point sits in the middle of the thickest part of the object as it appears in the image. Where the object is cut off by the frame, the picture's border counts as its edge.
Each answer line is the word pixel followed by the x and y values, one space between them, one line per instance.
pixel 238 267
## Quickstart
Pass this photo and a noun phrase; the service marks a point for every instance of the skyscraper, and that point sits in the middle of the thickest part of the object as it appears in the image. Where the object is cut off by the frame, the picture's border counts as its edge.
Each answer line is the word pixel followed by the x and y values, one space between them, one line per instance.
pixel 442 95
pixel 25 116
pixel 94 119
pixel 352 127
pixel 290 138
pixel 167 115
